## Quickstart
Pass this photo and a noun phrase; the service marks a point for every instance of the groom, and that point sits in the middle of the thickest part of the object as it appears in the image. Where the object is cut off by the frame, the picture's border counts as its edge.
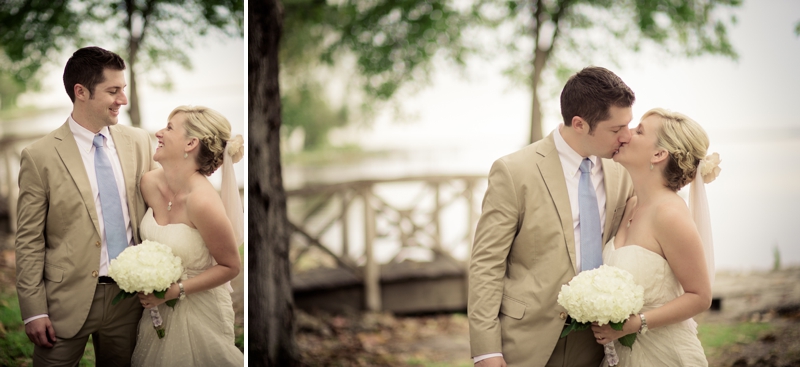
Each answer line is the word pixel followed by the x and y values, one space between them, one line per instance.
pixel 79 206
pixel 548 210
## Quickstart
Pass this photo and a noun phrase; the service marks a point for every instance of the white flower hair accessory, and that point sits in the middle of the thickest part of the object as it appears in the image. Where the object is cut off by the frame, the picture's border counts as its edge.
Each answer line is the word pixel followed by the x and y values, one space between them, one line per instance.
pixel 709 167
pixel 235 148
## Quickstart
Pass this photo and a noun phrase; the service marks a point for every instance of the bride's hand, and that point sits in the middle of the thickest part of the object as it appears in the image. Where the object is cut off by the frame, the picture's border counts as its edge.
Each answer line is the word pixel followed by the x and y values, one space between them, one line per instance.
pixel 606 334
pixel 150 300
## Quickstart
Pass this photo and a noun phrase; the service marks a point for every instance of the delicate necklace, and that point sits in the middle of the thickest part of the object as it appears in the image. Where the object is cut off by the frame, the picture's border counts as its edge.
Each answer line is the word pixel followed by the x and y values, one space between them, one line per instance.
pixel 169 204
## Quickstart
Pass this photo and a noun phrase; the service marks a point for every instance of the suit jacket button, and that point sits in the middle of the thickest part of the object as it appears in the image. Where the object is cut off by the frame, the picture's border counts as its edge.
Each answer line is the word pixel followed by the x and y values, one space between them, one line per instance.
pixel 563 315
pixel 97 243
pixel 94 274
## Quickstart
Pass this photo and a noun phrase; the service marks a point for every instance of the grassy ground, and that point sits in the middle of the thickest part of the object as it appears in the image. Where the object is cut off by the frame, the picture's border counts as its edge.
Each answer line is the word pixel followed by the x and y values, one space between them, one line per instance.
pixel 15 348
pixel 443 341
pixel 717 337
pixel 774 343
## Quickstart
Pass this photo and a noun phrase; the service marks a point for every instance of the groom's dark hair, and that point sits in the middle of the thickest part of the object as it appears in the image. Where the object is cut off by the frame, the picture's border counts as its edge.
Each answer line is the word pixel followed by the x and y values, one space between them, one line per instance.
pixel 590 94
pixel 86 66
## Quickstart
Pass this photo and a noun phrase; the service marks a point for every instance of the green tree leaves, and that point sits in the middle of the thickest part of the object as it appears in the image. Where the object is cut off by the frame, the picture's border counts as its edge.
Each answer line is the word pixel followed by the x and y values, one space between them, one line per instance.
pixel 381 46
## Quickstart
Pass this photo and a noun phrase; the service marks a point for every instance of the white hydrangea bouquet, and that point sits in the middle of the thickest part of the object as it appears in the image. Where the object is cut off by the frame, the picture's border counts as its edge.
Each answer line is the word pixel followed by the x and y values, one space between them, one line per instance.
pixel 606 295
pixel 149 267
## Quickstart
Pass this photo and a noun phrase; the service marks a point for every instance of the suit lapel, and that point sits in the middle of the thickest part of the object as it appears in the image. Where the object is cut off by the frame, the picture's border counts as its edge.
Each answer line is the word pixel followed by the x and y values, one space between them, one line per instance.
pixel 611 180
pixel 125 152
pixel 553 175
pixel 67 150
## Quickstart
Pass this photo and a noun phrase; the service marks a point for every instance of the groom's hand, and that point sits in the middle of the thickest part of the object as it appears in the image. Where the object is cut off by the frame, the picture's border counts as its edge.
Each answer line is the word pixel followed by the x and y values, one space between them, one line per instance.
pixel 41 332
pixel 492 362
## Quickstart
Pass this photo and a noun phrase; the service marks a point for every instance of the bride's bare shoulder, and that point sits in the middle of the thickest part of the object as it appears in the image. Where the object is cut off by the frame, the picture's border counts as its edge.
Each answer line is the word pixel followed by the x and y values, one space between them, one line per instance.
pixel 151 178
pixel 202 196
pixel 631 203
pixel 151 181
pixel 673 215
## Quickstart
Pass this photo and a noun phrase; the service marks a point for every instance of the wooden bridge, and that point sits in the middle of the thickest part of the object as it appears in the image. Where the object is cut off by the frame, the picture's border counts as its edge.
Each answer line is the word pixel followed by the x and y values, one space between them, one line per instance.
pixel 10 153
pixel 395 245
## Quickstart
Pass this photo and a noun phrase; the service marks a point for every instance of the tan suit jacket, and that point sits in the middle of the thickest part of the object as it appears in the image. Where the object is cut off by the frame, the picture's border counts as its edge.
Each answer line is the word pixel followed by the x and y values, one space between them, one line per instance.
pixel 524 251
pixel 58 237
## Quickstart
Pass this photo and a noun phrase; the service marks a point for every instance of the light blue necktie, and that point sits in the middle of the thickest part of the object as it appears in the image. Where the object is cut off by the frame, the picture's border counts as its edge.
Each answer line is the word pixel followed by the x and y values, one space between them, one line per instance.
pixel 113 221
pixel 591 240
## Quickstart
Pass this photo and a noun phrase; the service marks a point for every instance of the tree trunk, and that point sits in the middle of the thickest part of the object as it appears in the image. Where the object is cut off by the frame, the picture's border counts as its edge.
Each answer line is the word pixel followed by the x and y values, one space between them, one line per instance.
pixel 539 60
pixel 133 95
pixel 133 50
pixel 271 306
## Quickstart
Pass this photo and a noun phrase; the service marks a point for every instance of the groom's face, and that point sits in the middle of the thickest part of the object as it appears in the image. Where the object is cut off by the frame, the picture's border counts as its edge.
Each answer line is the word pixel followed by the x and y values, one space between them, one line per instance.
pixel 108 97
pixel 609 135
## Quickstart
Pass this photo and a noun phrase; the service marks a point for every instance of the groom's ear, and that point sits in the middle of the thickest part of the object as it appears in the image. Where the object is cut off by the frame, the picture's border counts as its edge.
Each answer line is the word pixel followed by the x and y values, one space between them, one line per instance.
pixel 81 92
pixel 578 124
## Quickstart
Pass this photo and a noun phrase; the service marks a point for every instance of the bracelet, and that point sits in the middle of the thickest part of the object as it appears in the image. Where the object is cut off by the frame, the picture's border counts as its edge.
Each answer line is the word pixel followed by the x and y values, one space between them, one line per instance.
pixel 182 294
pixel 643 328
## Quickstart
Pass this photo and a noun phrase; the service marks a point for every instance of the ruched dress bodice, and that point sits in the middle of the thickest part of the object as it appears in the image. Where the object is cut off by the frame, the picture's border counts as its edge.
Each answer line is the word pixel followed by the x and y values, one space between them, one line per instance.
pixel 671 345
pixel 199 330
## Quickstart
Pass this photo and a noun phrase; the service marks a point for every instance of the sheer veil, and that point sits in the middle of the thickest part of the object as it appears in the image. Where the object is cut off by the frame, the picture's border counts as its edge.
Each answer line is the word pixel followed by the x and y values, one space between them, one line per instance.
pixel 707 171
pixel 229 190
pixel 231 200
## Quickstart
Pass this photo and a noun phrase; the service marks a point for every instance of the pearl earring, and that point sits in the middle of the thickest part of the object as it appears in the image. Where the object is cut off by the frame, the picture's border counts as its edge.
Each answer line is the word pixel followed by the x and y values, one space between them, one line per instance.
pixel 651 166
pixel 187 154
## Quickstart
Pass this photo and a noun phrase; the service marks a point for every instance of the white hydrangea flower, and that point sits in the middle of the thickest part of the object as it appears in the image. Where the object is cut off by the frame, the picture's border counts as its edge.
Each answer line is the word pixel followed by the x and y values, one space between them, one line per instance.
pixel 709 167
pixel 235 148
pixel 603 295
pixel 148 267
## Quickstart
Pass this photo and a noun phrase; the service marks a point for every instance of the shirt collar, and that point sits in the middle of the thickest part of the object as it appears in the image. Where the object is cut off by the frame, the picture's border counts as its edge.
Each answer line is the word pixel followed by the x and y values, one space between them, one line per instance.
pixel 84 138
pixel 570 159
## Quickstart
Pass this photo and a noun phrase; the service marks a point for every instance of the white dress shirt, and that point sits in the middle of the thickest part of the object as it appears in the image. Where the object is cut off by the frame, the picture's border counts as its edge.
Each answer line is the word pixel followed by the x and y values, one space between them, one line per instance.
pixel 84 138
pixel 570 164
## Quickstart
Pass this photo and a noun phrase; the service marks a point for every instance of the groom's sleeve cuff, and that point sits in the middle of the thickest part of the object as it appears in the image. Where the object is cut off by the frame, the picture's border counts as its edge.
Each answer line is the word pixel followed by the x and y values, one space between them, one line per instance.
pixel 26 321
pixel 485 356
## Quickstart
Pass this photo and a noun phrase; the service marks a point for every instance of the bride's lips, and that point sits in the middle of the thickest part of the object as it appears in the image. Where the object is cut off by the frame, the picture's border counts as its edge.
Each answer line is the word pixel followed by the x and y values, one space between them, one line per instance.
pixel 618 150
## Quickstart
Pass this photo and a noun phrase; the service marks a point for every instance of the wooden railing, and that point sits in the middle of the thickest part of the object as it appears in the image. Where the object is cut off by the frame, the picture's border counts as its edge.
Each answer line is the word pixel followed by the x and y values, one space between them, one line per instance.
pixel 10 153
pixel 323 217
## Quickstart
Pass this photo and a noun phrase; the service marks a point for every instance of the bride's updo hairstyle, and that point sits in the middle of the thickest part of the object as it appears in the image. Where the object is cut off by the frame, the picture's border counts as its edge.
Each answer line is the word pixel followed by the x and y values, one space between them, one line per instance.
pixel 686 142
pixel 212 129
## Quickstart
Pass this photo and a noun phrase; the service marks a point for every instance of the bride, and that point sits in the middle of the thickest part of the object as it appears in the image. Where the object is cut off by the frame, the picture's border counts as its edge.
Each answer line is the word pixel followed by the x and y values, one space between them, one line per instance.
pixel 186 213
pixel 663 243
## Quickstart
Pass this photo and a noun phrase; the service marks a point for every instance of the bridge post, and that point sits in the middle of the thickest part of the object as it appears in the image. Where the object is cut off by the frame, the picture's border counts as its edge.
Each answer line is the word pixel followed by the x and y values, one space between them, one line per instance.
pixel 372 290
pixel 469 193
pixel 9 154
pixel 437 209
pixel 345 236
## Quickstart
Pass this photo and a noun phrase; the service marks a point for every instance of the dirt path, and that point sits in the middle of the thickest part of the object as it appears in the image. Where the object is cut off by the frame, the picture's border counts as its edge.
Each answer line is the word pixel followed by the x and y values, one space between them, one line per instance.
pixel 443 340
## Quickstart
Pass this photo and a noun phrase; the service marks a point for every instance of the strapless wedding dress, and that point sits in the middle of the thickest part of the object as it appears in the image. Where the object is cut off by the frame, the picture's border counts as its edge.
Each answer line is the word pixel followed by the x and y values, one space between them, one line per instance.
pixel 667 346
pixel 199 330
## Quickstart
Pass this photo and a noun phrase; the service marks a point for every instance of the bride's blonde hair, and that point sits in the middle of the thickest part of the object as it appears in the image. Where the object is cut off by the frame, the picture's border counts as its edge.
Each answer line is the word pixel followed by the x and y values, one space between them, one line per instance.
pixel 685 141
pixel 212 129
